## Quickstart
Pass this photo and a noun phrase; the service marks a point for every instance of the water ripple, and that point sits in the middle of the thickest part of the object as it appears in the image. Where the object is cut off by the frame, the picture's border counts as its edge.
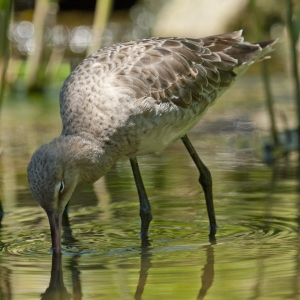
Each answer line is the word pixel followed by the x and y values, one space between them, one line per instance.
pixel 255 229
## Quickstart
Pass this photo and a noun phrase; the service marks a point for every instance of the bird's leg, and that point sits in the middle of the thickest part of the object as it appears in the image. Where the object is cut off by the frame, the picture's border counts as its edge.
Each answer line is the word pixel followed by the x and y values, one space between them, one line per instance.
pixel 145 207
pixel 206 182
pixel 66 227
pixel 66 211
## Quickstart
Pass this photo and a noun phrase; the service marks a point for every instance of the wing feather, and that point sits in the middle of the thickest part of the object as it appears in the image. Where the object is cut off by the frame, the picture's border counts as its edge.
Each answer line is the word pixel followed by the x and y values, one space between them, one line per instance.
pixel 176 70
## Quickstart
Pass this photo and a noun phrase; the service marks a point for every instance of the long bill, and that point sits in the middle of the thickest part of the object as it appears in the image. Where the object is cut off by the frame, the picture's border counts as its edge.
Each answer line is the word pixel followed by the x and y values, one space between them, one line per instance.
pixel 55 220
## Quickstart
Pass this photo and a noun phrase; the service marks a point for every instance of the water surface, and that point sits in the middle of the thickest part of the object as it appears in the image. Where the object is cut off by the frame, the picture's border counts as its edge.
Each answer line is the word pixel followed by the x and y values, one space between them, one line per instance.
pixel 257 248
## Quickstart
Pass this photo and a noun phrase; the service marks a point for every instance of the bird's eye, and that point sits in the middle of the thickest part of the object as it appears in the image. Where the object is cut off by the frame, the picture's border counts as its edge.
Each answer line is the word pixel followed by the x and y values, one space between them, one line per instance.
pixel 62 186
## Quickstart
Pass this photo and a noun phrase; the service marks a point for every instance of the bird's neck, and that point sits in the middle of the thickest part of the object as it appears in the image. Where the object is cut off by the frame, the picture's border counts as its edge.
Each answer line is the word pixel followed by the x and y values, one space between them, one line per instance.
pixel 89 158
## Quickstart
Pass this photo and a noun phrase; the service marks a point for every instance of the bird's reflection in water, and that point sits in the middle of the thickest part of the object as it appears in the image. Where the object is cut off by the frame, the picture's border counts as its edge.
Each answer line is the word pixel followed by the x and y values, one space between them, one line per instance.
pixel 207 277
pixel 145 266
pixel 76 283
pixel 58 291
pixel 208 273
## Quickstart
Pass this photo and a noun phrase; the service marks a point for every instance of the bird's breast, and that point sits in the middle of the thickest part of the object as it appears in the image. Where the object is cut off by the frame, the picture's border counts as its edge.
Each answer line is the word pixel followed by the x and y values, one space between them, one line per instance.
pixel 152 132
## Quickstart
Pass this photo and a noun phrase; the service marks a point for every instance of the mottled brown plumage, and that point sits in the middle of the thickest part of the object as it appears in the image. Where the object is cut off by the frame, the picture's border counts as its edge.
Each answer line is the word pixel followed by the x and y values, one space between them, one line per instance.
pixel 131 99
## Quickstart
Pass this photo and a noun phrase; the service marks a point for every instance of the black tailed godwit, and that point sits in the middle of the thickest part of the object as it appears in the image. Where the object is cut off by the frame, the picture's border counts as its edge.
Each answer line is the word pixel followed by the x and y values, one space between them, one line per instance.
pixel 132 99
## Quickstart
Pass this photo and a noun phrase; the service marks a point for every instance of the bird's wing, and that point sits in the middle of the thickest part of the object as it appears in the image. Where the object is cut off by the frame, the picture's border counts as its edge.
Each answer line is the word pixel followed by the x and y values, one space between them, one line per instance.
pixel 174 70
pixel 181 71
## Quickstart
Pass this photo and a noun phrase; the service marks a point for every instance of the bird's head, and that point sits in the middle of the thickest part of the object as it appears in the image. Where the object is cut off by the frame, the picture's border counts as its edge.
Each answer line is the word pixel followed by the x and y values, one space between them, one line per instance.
pixel 52 179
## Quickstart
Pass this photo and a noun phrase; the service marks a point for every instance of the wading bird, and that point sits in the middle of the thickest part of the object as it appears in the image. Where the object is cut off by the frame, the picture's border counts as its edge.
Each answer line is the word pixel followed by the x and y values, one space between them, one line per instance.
pixel 132 99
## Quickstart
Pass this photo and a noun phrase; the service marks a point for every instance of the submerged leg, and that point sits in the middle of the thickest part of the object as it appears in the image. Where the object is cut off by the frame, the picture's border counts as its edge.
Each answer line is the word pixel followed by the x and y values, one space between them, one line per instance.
pixel 67 235
pixel 206 183
pixel 145 207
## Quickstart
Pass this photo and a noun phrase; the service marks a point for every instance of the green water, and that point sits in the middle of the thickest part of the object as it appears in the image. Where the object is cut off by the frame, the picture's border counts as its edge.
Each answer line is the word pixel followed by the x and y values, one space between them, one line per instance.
pixel 256 254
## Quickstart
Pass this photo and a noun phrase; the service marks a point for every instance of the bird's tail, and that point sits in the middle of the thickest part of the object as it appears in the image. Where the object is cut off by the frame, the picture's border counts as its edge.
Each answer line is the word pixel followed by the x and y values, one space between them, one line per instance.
pixel 248 53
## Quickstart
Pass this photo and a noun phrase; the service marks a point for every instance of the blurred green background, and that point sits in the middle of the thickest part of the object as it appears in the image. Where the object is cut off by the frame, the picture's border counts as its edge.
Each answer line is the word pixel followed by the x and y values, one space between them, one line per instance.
pixel 42 36
pixel 257 205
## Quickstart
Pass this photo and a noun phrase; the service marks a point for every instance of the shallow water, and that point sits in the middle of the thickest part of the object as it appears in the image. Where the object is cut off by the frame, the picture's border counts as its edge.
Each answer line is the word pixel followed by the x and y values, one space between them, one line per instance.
pixel 257 248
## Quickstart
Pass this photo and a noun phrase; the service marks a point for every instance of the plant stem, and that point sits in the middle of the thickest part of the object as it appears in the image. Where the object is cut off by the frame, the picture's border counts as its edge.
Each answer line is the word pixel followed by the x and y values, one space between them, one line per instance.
pixel 102 12
pixel 5 13
pixel 294 59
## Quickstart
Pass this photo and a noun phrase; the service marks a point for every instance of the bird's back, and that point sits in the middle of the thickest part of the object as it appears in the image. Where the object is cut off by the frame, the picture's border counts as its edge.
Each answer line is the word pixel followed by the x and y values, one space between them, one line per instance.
pixel 143 95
